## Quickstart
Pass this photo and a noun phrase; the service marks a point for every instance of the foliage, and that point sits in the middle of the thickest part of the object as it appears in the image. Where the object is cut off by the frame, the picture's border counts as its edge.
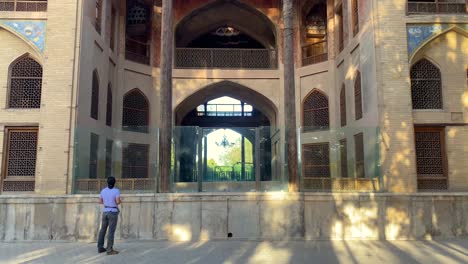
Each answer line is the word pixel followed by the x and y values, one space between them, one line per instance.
pixel 234 154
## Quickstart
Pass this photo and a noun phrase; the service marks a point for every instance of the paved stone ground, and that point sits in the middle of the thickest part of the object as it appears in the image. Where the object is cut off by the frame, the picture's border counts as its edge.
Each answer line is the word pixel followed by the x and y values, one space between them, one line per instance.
pixel 229 252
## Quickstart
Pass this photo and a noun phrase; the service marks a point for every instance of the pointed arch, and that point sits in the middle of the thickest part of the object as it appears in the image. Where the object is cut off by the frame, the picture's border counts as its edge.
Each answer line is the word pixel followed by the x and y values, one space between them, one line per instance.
pixel 315 112
pixel 343 105
pixel 37 47
pixel 357 96
pixel 109 105
pixel 135 115
pixel 95 95
pixel 414 54
pixel 231 89
pixel 25 84
pixel 426 85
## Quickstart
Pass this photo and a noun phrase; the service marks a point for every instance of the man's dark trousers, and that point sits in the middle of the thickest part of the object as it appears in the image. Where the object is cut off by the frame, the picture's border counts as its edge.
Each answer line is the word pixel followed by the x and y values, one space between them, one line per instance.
pixel 109 219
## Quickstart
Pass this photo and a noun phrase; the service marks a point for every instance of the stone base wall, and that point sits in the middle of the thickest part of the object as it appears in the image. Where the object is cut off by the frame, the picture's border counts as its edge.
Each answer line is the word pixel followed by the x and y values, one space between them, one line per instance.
pixel 267 216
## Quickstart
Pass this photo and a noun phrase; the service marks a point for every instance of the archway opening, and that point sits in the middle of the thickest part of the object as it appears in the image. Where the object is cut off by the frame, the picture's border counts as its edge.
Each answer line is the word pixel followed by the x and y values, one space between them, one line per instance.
pixel 314 33
pixel 223 141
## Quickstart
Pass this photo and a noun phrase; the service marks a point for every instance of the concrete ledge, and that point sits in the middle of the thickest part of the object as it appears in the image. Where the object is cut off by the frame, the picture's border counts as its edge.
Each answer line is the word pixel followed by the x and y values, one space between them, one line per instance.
pixel 251 216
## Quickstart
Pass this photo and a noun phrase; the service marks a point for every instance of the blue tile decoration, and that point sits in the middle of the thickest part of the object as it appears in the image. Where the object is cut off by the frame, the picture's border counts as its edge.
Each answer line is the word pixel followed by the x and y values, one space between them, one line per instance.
pixel 32 30
pixel 418 34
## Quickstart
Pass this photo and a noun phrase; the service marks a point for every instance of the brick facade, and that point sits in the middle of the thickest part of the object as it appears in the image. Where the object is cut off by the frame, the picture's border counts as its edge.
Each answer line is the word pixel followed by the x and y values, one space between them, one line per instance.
pixel 73 50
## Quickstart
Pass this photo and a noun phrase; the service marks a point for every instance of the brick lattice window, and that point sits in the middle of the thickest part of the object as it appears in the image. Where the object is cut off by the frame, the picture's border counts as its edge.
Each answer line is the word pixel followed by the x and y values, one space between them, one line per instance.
pixel 135 161
pixel 426 85
pixel 95 96
pixel 135 112
pixel 315 111
pixel 20 159
pixel 23 5
pixel 431 163
pixel 316 160
pixel 93 156
pixel 109 147
pixel 98 16
pixel 343 105
pixel 109 106
pixel 344 158
pixel 355 16
pixel 358 96
pixel 436 6
pixel 25 84
pixel 359 155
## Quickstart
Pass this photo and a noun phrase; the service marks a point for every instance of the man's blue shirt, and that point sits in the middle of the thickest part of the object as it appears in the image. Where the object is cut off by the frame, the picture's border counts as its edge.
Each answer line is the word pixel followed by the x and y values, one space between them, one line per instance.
pixel 108 197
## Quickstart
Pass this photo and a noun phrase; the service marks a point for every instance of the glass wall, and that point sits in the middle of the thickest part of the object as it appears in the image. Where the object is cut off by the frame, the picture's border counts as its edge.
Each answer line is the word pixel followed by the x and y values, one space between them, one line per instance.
pixel 340 160
pixel 228 159
pixel 132 158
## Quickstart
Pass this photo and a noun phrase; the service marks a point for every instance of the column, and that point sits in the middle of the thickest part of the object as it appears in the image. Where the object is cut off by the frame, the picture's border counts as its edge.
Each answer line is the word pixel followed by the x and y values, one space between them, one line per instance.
pixel 289 95
pixel 166 98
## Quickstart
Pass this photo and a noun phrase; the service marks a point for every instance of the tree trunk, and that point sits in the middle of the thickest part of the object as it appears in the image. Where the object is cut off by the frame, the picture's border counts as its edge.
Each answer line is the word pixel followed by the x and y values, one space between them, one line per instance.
pixel 289 95
pixel 165 145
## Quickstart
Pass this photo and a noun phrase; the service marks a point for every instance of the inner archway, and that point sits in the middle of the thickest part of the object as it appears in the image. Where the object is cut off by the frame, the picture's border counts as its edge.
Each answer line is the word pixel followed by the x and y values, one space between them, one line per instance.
pixel 223 13
pixel 226 34
pixel 223 139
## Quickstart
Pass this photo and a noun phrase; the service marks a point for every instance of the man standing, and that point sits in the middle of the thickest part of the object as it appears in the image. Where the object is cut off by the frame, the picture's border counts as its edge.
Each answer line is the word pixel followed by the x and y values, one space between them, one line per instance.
pixel 110 197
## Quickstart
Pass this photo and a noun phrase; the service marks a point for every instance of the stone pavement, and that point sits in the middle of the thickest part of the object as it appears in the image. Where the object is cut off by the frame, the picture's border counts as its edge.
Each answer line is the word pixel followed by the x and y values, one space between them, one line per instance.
pixel 229 252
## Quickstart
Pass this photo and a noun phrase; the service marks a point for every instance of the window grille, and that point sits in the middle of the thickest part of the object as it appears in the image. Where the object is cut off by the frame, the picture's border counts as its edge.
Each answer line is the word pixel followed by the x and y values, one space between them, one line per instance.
pixel 343 105
pixel 109 146
pixel 315 111
pixel 109 106
pixel 137 13
pixel 344 158
pixel 93 156
pixel 135 112
pixel 426 85
pixel 430 158
pixel 226 58
pixel 25 84
pixel 20 159
pixel 23 5
pixel 135 161
pixel 355 16
pixel 316 160
pixel 358 96
pixel 95 96
pixel 98 18
pixel 436 6
pixel 359 155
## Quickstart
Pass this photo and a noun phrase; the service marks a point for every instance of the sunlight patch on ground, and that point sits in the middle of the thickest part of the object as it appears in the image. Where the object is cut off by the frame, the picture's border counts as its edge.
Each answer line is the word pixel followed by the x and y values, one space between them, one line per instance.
pixel 34 255
pixel 265 252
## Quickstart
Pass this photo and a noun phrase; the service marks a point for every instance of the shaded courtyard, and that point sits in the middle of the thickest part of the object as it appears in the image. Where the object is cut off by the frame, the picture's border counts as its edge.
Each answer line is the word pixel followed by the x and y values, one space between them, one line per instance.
pixel 241 252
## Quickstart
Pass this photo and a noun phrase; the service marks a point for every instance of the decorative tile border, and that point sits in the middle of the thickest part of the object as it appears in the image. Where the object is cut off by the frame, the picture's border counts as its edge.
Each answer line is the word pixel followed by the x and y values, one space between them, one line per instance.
pixel 32 30
pixel 419 34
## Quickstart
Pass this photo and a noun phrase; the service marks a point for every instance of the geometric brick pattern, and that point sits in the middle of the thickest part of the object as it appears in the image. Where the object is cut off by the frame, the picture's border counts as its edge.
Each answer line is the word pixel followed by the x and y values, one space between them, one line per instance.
pixel 135 112
pixel 316 115
pixel 316 160
pixel 135 161
pixel 426 86
pixel 25 84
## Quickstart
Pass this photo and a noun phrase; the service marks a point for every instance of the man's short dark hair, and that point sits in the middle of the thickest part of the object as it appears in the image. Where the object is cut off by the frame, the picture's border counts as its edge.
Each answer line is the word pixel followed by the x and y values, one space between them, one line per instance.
pixel 110 182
